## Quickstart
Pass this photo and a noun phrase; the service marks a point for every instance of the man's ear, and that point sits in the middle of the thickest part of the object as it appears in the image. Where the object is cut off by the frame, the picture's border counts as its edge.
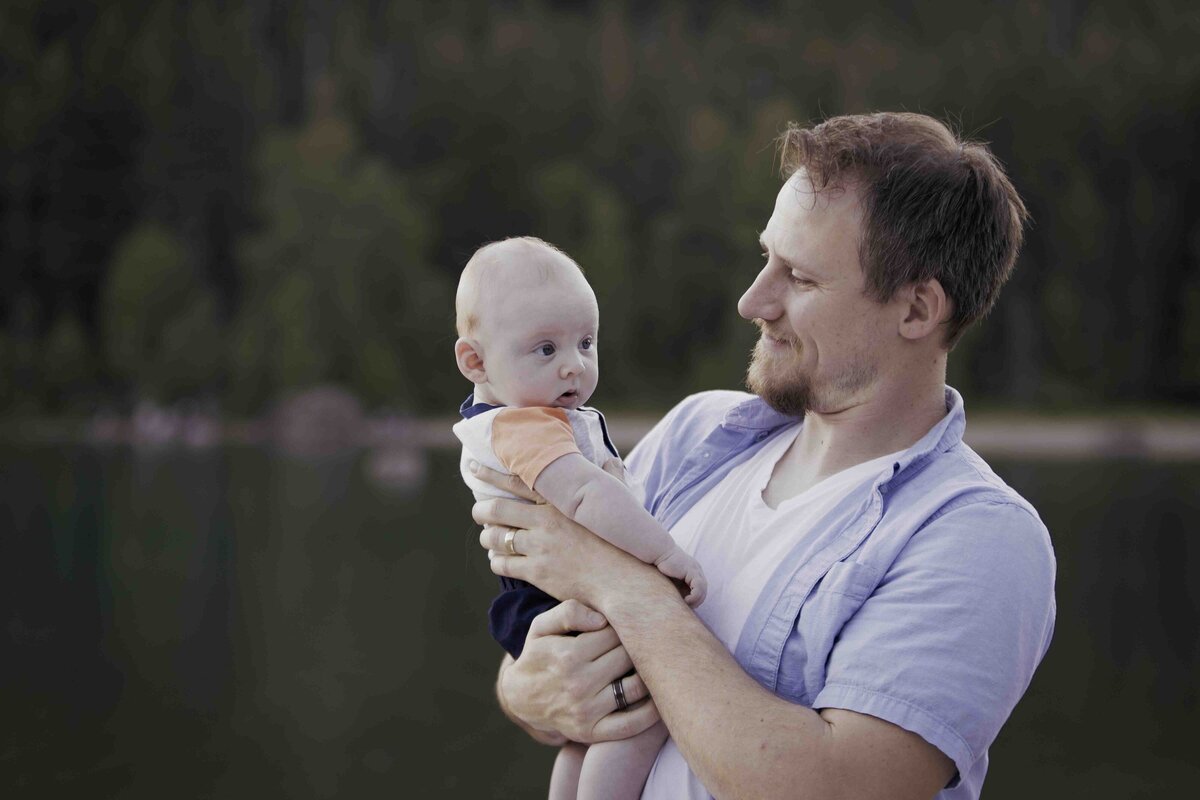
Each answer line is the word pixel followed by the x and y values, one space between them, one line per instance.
pixel 470 361
pixel 925 307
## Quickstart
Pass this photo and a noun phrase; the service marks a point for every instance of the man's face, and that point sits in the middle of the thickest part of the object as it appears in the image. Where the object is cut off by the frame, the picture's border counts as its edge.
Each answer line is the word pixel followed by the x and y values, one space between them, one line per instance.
pixel 539 341
pixel 823 340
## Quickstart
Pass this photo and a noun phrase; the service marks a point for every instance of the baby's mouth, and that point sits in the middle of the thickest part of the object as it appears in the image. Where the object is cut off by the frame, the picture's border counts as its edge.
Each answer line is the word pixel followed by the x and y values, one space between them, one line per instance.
pixel 567 397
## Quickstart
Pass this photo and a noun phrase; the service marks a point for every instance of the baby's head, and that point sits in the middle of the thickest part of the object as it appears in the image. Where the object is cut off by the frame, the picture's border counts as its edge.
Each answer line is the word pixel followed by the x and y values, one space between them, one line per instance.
pixel 527 322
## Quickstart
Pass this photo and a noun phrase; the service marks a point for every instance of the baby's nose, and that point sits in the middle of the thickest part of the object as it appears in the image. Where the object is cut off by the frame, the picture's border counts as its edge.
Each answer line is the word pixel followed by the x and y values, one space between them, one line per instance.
pixel 571 366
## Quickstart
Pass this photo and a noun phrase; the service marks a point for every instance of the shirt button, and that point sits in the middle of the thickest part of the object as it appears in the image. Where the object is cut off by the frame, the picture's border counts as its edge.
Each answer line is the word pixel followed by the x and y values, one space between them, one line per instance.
pixel 707 454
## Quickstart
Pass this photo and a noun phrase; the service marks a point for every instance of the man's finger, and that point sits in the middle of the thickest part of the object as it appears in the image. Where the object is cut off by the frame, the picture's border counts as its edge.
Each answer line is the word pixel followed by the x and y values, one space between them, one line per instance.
pixel 623 724
pixel 510 567
pixel 595 644
pixel 568 617
pixel 487 536
pixel 509 483
pixel 614 664
pixel 495 539
pixel 635 688
pixel 510 513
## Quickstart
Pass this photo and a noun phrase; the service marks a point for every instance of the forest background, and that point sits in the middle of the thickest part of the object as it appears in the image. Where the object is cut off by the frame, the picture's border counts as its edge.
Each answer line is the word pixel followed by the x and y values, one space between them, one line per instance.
pixel 210 206
pixel 219 202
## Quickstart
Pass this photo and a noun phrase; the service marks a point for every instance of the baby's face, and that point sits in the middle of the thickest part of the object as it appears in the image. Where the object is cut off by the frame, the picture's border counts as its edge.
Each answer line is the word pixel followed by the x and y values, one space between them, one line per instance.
pixel 539 342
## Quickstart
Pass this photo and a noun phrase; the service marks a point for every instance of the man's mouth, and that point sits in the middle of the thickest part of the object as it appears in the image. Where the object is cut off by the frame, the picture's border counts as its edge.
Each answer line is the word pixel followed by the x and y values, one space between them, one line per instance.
pixel 773 341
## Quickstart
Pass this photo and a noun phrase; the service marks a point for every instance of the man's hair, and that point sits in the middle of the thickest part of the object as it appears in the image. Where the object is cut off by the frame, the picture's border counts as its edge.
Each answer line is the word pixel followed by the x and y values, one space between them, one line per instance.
pixel 934 205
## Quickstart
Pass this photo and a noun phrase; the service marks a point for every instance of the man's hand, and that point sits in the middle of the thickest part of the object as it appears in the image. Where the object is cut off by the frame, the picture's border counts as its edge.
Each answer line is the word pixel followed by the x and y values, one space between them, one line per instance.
pixel 554 553
pixel 562 683
pixel 508 482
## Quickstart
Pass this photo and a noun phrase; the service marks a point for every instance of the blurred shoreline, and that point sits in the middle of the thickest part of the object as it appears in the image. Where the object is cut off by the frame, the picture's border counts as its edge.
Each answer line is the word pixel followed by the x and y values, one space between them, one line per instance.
pixel 1167 437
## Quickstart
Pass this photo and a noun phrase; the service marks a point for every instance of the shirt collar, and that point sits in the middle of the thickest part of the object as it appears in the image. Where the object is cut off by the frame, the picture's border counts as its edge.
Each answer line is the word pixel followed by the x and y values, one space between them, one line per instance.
pixel 755 414
pixel 947 433
pixel 470 408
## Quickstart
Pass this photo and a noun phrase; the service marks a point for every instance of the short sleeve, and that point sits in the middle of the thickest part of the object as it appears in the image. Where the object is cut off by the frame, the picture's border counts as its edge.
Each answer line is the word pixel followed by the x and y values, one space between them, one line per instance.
pixel 949 640
pixel 527 440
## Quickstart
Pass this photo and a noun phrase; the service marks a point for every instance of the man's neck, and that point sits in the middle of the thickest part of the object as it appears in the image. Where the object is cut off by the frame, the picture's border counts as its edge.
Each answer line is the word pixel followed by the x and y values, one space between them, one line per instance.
pixel 886 422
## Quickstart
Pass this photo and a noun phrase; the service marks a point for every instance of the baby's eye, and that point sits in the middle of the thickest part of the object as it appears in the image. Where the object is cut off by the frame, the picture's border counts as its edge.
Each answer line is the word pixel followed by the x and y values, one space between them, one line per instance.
pixel 588 343
pixel 546 349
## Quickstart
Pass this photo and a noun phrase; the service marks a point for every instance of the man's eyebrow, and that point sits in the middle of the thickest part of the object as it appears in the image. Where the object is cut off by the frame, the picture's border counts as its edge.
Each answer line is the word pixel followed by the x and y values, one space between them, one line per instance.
pixel 763 244
pixel 786 262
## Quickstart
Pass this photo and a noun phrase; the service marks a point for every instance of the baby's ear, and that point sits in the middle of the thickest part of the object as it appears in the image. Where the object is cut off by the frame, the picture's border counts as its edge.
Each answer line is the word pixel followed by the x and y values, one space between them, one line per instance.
pixel 470 361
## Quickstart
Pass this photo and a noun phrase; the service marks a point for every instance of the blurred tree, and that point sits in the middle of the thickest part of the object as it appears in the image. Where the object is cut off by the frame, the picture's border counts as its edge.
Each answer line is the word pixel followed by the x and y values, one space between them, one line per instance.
pixel 337 284
pixel 637 136
pixel 163 340
pixel 67 142
pixel 198 71
pixel 68 364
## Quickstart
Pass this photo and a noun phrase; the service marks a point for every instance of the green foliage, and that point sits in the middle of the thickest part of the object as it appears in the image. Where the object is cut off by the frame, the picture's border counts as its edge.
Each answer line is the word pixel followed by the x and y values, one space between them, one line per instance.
pixel 336 282
pixel 162 336
pixel 254 198
pixel 68 364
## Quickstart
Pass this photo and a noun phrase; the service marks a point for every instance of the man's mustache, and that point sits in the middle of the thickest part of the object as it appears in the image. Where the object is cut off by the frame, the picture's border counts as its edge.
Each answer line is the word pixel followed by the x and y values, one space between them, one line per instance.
pixel 765 330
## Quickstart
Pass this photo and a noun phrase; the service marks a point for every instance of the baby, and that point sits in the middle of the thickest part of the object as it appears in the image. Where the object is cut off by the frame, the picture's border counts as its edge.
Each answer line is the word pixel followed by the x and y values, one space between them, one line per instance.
pixel 527 322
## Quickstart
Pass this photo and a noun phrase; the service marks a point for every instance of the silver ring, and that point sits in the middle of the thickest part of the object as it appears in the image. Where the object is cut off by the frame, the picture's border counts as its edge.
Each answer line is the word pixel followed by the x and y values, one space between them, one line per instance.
pixel 510 546
pixel 619 693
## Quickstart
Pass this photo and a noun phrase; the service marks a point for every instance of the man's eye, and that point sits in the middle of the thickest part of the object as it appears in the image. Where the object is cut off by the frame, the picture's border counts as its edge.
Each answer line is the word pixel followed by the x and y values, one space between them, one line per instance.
pixel 546 350
pixel 587 343
pixel 799 281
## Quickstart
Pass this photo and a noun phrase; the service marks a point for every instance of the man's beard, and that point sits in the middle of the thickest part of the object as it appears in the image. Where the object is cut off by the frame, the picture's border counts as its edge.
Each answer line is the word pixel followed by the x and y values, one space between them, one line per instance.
pixel 787 394
pixel 788 390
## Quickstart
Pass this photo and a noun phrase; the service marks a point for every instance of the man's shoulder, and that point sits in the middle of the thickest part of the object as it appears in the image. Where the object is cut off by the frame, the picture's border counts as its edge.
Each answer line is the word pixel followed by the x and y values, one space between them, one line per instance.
pixel 960 487
pixel 975 480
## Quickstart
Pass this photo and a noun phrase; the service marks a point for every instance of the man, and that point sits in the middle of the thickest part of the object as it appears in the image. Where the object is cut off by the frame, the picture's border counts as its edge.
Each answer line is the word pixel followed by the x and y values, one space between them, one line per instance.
pixel 878 598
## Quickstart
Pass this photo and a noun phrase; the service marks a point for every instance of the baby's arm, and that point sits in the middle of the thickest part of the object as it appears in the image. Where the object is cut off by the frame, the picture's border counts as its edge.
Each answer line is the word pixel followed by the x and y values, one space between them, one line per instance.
pixel 617 770
pixel 601 503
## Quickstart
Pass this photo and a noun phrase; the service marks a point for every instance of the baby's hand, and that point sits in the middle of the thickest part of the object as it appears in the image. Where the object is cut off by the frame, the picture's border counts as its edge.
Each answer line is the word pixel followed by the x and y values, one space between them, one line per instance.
pixel 678 564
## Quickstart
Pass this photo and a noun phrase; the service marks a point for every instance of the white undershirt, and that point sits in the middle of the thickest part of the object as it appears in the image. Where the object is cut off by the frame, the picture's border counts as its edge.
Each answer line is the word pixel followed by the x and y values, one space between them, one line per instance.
pixel 738 539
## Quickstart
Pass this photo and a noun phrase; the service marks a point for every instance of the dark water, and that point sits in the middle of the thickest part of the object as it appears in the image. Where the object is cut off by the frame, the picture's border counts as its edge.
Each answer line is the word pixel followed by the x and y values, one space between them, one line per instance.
pixel 228 622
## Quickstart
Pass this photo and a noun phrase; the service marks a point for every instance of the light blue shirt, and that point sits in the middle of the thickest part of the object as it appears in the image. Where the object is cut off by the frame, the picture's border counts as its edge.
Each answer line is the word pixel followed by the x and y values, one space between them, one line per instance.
pixel 924 598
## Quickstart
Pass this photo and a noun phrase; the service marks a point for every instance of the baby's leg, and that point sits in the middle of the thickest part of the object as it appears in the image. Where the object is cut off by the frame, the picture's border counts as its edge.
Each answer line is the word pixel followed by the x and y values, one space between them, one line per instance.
pixel 618 770
pixel 564 780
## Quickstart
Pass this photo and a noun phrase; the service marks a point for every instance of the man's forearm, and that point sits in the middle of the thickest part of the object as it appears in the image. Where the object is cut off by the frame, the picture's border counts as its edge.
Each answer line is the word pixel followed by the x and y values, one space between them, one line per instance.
pixel 738 738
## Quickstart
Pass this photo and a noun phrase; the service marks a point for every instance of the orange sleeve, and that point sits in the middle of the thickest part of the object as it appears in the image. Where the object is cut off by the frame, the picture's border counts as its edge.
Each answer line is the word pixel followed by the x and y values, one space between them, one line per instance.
pixel 526 440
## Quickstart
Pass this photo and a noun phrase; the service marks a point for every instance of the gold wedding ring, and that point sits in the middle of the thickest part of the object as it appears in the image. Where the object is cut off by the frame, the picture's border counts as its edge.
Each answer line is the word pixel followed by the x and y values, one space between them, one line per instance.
pixel 510 546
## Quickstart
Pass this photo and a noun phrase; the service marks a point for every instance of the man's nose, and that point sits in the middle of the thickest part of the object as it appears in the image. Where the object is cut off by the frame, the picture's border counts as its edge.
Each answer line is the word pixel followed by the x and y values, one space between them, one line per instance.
pixel 759 301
